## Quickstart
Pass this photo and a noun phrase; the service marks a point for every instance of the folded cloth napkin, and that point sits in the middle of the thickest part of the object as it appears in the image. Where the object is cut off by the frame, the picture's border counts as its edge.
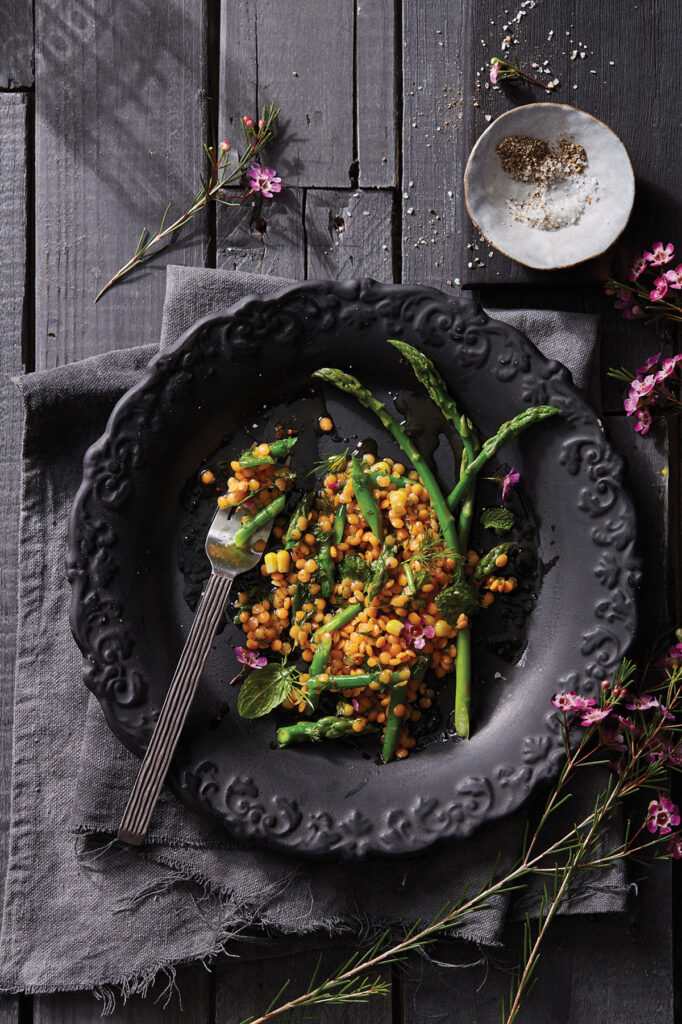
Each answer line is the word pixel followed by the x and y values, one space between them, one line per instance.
pixel 82 911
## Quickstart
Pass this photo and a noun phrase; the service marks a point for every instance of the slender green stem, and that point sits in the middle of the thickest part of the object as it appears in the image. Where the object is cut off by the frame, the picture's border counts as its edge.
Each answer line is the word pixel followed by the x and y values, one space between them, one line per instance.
pixel 340 619
pixel 507 432
pixel 350 384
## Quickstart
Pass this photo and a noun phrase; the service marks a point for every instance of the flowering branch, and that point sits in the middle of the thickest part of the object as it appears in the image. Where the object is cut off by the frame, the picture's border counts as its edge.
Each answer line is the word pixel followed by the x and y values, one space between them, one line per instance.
pixel 639 300
pixel 640 747
pixel 222 174
pixel 501 69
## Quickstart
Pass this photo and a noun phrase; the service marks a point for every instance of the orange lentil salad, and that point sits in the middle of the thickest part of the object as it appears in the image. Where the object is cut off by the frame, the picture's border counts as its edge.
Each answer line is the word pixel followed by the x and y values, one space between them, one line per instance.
pixel 368 582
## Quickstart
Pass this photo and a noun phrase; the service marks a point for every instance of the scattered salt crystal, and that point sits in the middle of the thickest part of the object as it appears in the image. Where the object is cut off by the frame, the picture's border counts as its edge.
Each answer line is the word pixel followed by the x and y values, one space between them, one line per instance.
pixel 551 33
pixel 488 117
pixel 406 195
pixel 450 193
pixel 612 63
pixel 365 213
pixel 410 209
pixel 583 54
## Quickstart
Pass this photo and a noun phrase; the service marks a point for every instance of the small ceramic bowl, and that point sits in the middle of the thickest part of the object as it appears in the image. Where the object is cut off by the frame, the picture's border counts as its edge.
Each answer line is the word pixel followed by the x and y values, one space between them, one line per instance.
pixel 547 226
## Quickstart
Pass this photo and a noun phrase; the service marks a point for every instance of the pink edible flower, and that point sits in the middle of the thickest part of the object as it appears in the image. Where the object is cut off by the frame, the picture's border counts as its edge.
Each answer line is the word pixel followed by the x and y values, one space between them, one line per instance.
pixel 642 703
pixel 225 146
pixel 675 847
pixel 660 254
pixel 264 180
pixel 637 268
pixel 674 277
pixel 623 299
pixel 659 290
pixel 648 365
pixel 631 312
pixel 571 701
pixel 510 481
pixel 494 70
pixel 668 366
pixel 250 658
pixel 416 634
pixel 594 715
pixel 661 815
pixel 643 424
pixel 673 658
pixel 643 386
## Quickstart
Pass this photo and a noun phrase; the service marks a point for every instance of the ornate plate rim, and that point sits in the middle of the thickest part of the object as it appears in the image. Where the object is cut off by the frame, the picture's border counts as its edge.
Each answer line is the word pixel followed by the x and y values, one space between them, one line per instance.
pixel 246 812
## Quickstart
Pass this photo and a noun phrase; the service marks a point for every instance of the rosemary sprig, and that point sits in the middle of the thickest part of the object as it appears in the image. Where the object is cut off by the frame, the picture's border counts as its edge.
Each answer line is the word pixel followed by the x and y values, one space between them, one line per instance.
pixel 222 174
pixel 642 757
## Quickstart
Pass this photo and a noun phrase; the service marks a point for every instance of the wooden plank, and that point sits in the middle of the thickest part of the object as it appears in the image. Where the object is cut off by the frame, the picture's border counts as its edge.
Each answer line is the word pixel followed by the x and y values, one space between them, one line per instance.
pixel 349 234
pixel 433 143
pixel 13 300
pixel 120 123
pixel 245 988
pixel 310 78
pixel 188 1001
pixel 375 60
pixel 16 44
pixel 614 39
pixel 263 236
pixel 589 969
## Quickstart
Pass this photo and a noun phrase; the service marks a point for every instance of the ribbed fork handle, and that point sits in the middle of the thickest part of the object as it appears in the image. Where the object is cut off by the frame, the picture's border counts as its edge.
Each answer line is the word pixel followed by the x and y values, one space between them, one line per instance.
pixel 167 730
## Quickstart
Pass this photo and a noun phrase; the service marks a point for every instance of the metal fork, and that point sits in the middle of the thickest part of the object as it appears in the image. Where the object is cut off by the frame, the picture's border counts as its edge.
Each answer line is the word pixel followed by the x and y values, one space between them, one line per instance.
pixel 227 561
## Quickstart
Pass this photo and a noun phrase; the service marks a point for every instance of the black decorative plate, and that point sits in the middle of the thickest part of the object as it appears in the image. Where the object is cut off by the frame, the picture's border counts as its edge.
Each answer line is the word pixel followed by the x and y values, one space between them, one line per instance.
pixel 139 520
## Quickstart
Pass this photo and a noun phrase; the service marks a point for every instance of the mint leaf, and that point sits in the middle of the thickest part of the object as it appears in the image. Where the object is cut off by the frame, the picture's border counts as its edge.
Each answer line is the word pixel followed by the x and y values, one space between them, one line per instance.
pixel 354 567
pixel 264 689
pixel 501 519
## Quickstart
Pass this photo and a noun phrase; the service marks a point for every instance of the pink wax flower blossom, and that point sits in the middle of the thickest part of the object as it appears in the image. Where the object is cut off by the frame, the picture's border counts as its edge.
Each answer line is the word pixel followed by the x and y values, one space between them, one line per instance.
pixel 648 365
pixel 510 481
pixel 264 180
pixel 416 634
pixel 674 277
pixel 225 146
pixel 660 254
pixel 644 421
pixel 668 366
pixel 673 658
pixel 628 725
pixel 623 299
pixel 250 658
pixel 571 701
pixel 494 70
pixel 248 121
pixel 659 290
pixel 642 703
pixel 661 815
pixel 632 311
pixel 675 848
pixel 643 386
pixel 638 267
pixel 594 715
pixel 355 704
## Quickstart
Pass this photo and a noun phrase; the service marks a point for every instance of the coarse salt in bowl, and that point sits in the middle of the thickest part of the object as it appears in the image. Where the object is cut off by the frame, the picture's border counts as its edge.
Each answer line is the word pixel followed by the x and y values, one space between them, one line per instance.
pixel 549 185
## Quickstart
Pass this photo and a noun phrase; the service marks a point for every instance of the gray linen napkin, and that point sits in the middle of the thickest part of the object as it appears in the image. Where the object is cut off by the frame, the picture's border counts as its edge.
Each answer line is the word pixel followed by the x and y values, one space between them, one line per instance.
pixel 83 912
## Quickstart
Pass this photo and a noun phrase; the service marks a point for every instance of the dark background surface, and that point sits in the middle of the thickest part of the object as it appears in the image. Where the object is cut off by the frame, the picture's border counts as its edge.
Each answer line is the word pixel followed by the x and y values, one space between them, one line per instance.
pixel 103 112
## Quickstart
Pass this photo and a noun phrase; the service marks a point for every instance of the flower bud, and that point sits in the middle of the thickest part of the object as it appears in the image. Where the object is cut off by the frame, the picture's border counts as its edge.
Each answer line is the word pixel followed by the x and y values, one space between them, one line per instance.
pixel 605 684
pixel 261 123
pixel 248 121
pixel 225 146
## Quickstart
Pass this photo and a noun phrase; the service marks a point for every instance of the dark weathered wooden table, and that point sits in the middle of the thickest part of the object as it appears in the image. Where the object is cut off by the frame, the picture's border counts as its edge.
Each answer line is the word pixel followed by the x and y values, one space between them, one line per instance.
pixel 103 113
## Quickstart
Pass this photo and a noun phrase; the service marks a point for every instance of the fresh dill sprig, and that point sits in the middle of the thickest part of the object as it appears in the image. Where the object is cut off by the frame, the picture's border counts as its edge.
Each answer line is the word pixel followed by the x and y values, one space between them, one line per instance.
pixel 332 464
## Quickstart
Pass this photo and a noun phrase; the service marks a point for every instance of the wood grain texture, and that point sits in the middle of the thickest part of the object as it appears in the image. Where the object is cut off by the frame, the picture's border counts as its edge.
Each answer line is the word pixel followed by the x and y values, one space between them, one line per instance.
pixel 16 44
pixel 245 988
pixel 375 59
pixel 433 148
pixel 263 236
pixel 310 78
pixel 349 234
pixel 188 1002
pixel 13 110
pixel 120 123
pixel 615 36
pixel 9 1009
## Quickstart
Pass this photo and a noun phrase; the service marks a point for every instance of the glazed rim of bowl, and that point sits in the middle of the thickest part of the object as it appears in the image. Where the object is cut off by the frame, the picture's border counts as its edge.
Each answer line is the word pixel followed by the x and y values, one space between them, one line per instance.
pixel 554 107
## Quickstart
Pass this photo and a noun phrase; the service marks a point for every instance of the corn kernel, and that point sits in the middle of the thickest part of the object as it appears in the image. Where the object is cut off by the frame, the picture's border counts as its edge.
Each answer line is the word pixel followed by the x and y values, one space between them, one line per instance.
pixel 271 562
pixel 283 561
pixel 394 627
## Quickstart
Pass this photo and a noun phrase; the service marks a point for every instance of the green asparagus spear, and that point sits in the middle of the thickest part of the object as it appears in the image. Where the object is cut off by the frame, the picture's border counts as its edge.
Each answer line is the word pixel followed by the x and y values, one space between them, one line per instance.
pixel 329 727
pixel 394 723
pixel 302 510
pixel 507 432
pixel 318 665
pixel 278 450
pixel 437 390
pixel 348 383
pixel 339 620
pixel 355 682
pixel 366 500
pixel 245 532
pixel 375 475
pixel 339 524
pixel 487 563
